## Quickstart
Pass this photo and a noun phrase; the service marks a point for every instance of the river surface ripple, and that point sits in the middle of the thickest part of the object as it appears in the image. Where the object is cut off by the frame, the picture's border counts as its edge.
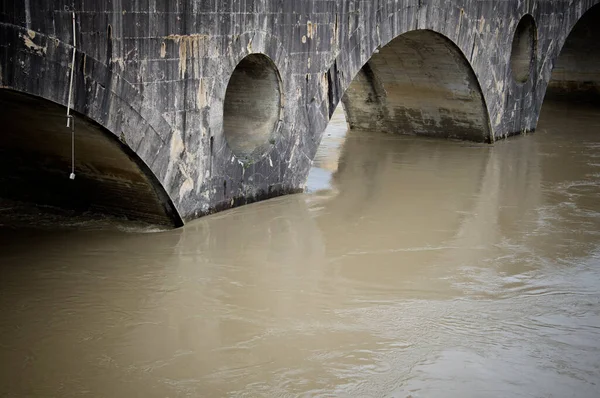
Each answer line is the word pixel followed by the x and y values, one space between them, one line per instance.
pixel 412 268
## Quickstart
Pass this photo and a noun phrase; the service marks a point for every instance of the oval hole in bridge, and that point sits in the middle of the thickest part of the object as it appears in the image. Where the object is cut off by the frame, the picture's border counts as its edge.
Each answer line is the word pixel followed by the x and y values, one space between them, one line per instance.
pixel 523 49
pixel 252 107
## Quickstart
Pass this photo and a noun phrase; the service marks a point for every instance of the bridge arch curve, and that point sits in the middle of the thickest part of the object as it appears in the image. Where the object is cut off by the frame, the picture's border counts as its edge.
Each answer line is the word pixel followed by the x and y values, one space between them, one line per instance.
pixel 35 163
pixel 419 83
pixel 113 124
pixel 576 70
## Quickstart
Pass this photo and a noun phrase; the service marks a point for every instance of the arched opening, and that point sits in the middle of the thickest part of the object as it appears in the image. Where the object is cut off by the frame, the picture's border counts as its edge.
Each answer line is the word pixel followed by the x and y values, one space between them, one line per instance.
pixel 252 107
pixel 35 163
pixel 523 49
pixel 576 73
pixel 420 83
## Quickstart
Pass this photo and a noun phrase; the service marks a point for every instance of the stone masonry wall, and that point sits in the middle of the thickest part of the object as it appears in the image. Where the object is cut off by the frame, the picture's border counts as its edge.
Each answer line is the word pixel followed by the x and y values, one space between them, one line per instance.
pixel 155 72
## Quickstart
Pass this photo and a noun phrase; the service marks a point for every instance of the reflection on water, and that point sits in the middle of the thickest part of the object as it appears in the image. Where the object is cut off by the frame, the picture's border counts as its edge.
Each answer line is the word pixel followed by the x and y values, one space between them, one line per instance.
pixel 327 158
pixel 429 269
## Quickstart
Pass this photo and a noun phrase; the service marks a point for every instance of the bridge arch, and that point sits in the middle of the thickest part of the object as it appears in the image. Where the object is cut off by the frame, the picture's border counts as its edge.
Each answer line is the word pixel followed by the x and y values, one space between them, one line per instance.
pixel 576 70
pixel 123 147
pixel 35 163
pixel 419 83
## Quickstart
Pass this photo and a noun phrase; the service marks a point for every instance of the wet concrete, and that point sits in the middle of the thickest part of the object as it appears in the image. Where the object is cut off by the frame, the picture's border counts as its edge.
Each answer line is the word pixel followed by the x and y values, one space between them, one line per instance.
pixel 415 268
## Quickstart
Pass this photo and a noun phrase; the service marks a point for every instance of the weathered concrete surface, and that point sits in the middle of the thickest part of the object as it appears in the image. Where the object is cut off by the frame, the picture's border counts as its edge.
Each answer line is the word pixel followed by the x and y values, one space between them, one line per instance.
pixel 155 75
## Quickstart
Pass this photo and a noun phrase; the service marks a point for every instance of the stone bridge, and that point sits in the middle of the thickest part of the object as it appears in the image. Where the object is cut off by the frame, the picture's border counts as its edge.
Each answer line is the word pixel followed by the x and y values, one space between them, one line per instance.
pixel 187 107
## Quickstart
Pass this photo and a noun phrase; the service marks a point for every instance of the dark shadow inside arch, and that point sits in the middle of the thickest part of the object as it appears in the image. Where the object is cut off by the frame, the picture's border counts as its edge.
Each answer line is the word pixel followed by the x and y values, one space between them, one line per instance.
pixel 576 73
pixel 420 83
pixel 35 163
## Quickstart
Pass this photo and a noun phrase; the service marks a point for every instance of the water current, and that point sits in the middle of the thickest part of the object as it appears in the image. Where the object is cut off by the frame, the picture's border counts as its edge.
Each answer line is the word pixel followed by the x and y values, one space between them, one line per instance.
pixel 411 268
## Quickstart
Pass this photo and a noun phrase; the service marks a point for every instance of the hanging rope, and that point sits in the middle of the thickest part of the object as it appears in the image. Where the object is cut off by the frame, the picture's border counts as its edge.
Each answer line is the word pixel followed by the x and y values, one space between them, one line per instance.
pixel 70 119
pixel 72 176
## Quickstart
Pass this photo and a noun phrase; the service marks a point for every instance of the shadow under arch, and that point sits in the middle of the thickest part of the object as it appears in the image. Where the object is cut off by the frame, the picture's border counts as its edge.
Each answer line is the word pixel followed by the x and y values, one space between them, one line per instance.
pixel 419 83
pixel 576 71
pixel 35 162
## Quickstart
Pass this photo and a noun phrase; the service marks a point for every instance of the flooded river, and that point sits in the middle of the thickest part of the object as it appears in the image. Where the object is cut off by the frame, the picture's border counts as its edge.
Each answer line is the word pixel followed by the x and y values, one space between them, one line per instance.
pixel 412 268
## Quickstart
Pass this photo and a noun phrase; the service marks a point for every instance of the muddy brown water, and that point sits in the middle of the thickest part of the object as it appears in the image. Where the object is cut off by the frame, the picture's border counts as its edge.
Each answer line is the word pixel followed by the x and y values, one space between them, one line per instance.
pixel 411 268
